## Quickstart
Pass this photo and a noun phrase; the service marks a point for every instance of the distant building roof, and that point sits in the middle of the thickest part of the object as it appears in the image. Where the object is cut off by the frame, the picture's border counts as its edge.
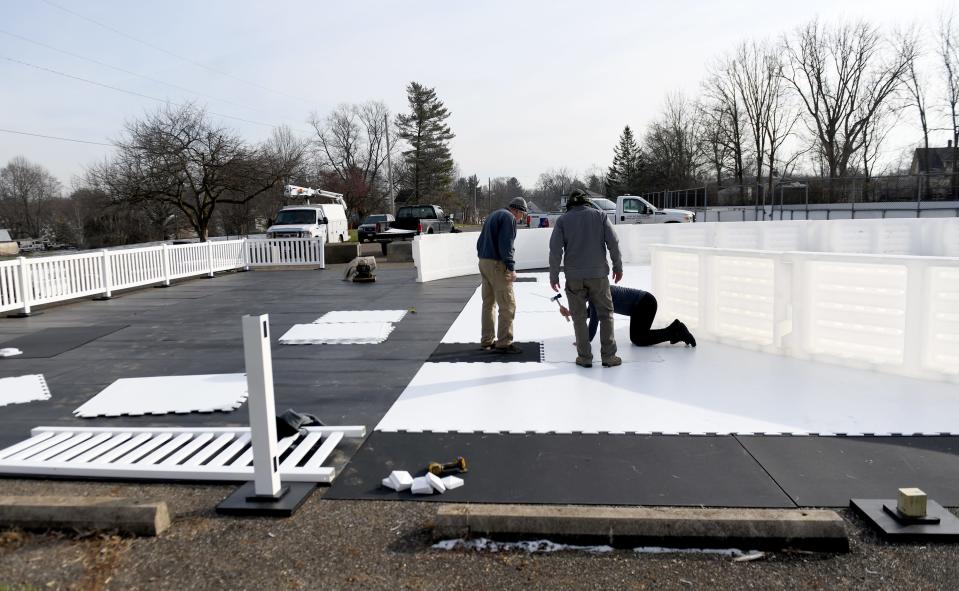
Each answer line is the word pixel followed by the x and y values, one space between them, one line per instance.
pixel 5 236
pixel 933 160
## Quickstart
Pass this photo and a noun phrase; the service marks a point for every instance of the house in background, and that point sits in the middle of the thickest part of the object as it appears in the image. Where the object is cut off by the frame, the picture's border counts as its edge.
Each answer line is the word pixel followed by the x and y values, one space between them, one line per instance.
pixel 933 160
pixel 8 246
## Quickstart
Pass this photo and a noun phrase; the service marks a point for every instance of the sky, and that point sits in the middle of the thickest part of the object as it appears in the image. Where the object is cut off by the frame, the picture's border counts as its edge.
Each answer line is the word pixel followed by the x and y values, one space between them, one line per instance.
pixel 531 86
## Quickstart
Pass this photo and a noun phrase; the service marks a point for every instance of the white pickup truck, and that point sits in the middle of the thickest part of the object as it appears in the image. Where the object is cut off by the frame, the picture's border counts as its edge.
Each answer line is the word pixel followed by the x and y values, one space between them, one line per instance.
pixel 628 209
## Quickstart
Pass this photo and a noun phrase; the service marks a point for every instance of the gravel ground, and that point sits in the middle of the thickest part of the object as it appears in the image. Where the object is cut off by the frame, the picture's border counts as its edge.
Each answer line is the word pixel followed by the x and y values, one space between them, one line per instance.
pixel 387 545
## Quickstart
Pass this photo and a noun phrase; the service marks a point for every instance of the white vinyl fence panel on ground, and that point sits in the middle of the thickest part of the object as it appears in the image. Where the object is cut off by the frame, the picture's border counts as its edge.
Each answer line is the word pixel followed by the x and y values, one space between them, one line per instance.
pixel 28 282
pixel 210 454
pixel 889 313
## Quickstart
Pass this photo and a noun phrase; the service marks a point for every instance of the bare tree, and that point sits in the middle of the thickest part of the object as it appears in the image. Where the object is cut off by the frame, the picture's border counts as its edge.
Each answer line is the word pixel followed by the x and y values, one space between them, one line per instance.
pixel 352 144
pixel 915 84
pixel 672 152
pixel 843 77
pixel 949 53
pixel 25 191
pixel 724 122
pixel 177 157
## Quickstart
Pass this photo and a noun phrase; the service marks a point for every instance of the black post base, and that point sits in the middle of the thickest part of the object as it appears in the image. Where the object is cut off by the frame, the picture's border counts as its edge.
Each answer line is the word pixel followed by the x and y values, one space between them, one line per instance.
pixel 245 502
pixel 23 314
pixel 102 298
pixel 874 511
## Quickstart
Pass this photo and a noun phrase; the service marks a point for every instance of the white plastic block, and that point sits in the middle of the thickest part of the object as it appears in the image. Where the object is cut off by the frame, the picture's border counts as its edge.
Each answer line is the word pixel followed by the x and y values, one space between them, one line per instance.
pixel 10 352
pixel 22 389
pixel 436 482
pixel 400 480
pixel 386 482
pixel 421 486
pixel 451 482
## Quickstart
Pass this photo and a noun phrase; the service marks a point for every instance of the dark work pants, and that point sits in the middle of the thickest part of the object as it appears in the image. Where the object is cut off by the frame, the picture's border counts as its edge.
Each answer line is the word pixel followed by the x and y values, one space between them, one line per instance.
pixel 641 318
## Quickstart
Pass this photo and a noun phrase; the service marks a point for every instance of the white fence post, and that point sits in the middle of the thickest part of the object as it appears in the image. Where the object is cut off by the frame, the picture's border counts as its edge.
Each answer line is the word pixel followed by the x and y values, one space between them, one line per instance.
pixel 209 252
pixel 259 379
pixel 246 254
pixel 26 289
pixel 106 274
pixel 165 253
pixel 323 252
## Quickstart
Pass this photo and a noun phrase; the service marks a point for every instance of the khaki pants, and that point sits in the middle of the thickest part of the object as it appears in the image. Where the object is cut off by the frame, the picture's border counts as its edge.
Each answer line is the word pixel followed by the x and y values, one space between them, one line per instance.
pixel 497 292
pixel 596 292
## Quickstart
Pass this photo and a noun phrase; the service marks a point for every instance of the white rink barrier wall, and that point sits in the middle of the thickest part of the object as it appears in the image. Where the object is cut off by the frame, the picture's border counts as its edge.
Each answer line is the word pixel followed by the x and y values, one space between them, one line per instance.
pixel 888 313
pixel 440 256
pixel 28 282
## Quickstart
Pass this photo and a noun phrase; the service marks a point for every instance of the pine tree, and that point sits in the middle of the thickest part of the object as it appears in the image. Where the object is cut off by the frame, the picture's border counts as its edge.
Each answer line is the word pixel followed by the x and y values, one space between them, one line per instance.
pixel 623 174
pixel 429 167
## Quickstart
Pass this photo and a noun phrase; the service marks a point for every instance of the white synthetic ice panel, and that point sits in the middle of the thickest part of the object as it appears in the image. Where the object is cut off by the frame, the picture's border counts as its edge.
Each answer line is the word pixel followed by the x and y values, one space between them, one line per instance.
pixel 711 389
pixel 167 394
pixel 23 389
pixel 340 333
pixel 537 318
pixel 10 352
pixel 361 316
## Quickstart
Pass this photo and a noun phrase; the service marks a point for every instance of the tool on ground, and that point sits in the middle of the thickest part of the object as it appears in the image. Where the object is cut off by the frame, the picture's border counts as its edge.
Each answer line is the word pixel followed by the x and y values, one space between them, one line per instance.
pixel 361 270
pixel 439 469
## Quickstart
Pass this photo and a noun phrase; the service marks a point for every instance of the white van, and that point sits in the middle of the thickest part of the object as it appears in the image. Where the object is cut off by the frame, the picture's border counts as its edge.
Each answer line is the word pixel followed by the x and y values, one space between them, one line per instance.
pixel 311 221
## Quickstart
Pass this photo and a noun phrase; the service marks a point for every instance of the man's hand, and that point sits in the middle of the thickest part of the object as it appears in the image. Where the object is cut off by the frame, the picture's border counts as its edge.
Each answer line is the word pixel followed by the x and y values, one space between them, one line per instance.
pixel 555 286
pixel 617 277
pixel 511 276
pixel 564 311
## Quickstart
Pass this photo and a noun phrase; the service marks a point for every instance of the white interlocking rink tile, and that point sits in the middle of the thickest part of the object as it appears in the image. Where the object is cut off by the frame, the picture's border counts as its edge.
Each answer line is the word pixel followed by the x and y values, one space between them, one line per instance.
pixel 361 316
pixel 337 333
pixel 167 394
pixel 20 389
pixel 713 388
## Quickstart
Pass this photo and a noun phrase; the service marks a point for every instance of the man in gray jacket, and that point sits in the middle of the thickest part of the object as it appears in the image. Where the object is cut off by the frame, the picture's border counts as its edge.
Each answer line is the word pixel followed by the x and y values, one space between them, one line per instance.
pixel 580 240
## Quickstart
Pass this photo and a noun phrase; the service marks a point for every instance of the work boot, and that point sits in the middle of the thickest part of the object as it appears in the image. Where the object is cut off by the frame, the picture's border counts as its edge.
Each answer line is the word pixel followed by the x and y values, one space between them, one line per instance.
pixel 612 361
pixel 486 347
pixel 510 349
pixel 678 332
pixel 584 362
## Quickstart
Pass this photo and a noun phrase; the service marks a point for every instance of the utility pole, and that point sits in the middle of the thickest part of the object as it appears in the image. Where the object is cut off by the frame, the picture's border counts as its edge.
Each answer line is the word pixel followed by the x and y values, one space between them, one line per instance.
pixel 389 163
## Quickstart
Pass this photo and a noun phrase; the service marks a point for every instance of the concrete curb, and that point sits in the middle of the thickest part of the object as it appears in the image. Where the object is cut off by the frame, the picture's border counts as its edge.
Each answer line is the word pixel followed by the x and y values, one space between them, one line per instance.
pixel 674 527
pixel 97 513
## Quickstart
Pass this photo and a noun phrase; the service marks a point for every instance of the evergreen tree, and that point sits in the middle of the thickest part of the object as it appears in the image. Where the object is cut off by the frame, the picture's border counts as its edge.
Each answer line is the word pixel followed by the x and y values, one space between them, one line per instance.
pixel 428 166
pixel 623 175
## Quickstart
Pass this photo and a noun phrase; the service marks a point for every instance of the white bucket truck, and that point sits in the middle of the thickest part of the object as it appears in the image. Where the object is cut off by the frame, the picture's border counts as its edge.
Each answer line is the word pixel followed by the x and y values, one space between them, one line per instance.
pixel 311 220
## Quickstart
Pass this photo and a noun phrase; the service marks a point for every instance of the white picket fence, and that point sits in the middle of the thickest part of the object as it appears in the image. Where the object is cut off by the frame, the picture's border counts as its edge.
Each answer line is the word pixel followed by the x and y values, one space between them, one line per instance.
pixel 888 313
pixel 28 282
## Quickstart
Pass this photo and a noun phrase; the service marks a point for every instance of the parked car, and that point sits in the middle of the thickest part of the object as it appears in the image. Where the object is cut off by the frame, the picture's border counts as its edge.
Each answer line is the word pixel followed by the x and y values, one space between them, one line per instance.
pixel 628 209
pixel 374 224
pixel 423 219
pixel 311 221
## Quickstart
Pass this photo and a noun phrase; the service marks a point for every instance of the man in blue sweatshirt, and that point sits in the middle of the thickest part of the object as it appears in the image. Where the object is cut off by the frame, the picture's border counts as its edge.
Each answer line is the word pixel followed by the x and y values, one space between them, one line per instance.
pixel 496 265
pixel 579 241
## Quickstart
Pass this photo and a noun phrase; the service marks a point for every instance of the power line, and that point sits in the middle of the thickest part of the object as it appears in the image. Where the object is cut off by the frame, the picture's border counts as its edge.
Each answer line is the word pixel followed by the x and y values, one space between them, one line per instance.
pixel 170 53
pixel 124 70
pixel 54 137
pixel 125 91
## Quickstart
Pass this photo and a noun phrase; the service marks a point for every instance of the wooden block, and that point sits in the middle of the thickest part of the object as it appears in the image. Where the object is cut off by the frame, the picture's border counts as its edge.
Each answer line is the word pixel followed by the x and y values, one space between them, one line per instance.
pixel 912 502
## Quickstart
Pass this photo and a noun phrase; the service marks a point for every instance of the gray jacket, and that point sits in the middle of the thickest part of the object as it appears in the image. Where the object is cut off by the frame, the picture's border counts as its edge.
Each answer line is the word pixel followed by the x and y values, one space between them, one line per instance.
pixel 580 240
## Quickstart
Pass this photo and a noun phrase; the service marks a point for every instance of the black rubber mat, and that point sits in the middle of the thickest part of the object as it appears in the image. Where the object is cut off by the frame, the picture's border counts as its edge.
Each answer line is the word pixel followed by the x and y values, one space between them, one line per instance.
pixel 568 469
pixel 829 471
pixel 472 353
pixel 51 342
